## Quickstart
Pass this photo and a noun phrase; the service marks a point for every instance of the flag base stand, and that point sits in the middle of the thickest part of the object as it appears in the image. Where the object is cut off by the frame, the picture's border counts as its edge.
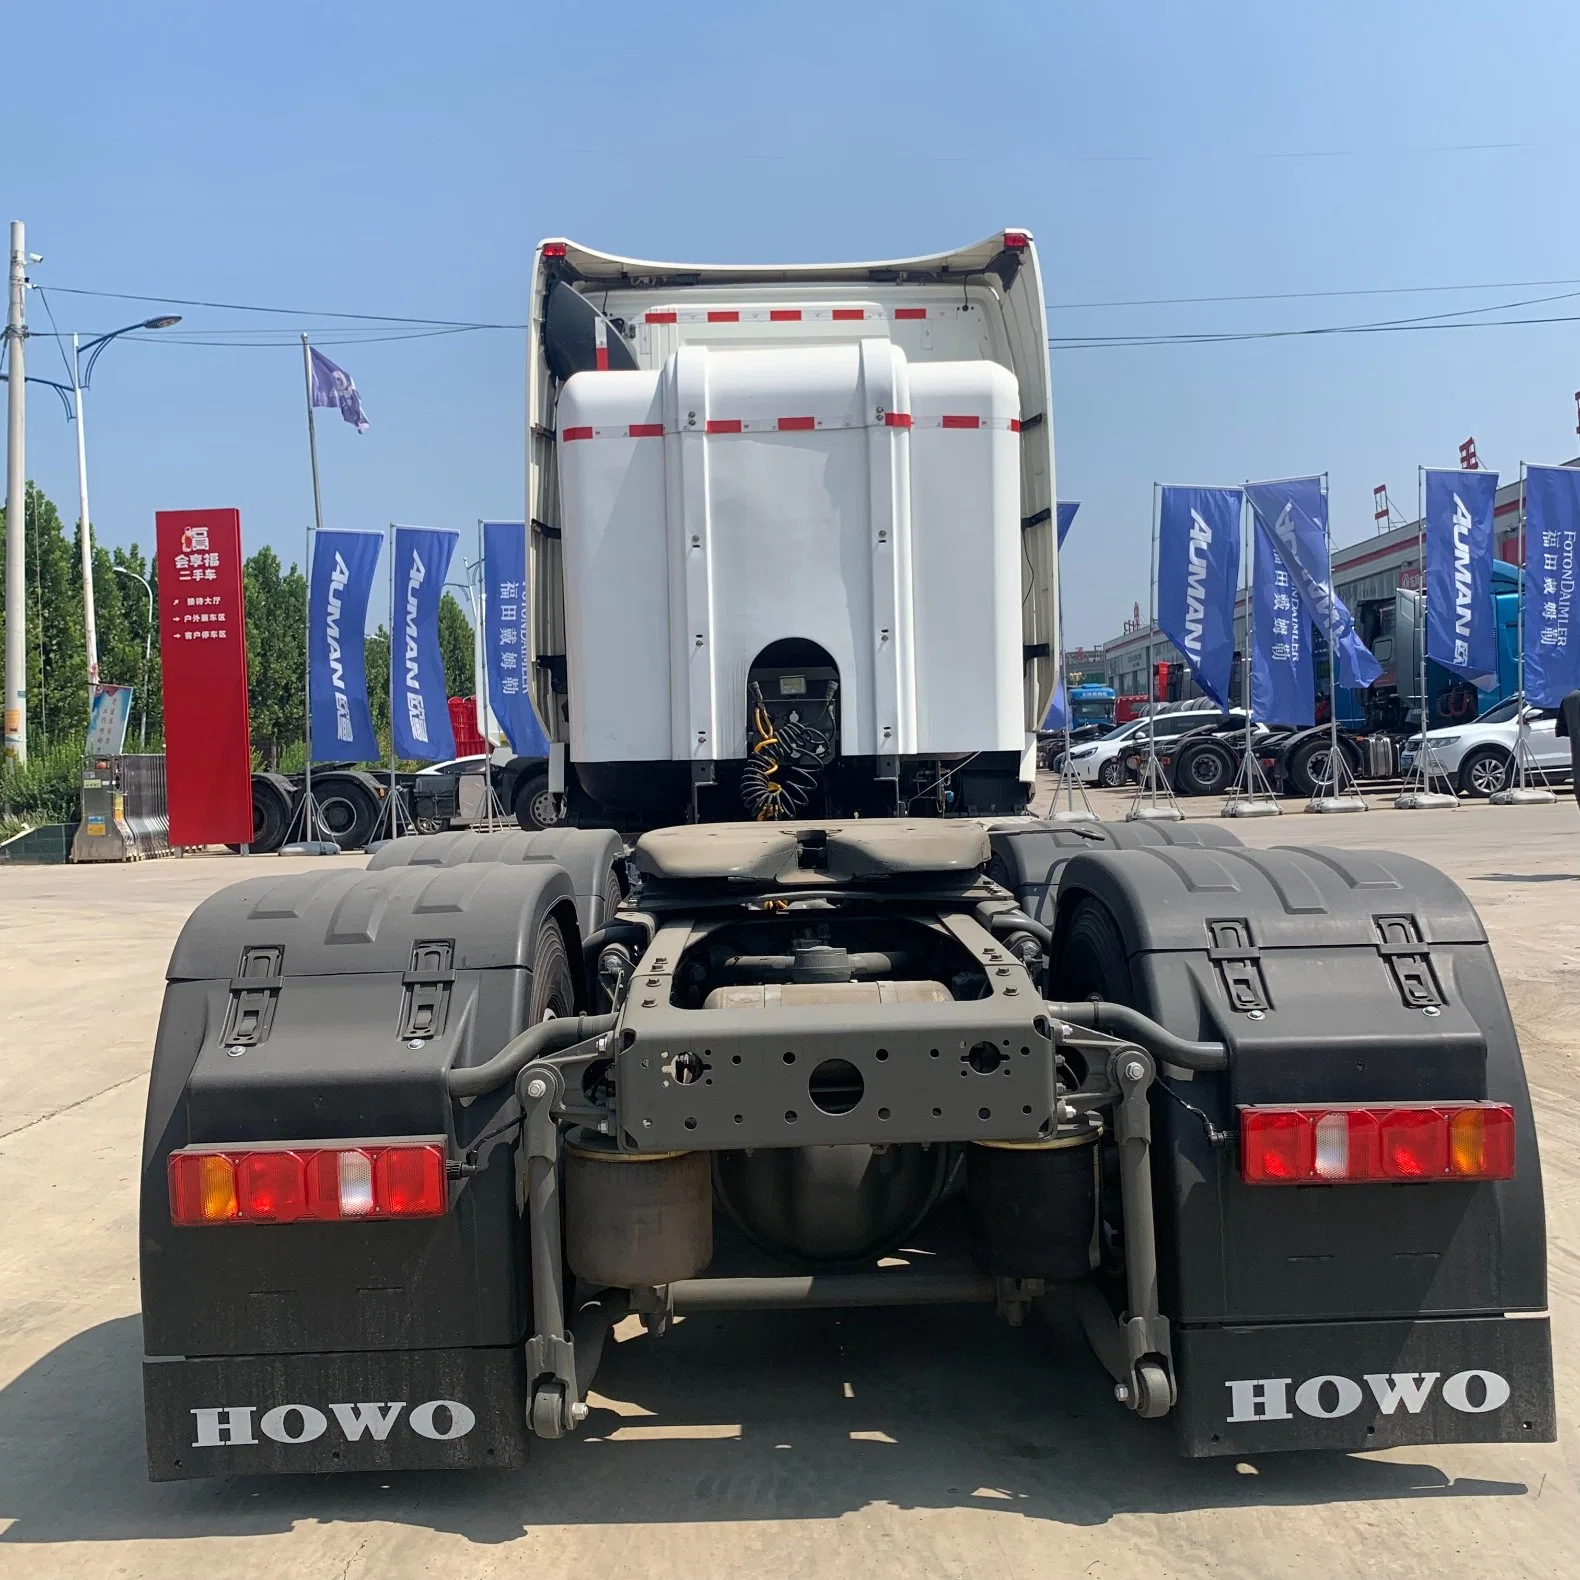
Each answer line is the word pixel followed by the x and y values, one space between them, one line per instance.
pixel 1418 794
pixel 1077 806
pixel 1251 795
pixel 1424 800
pixel 311 834
pixel 1522 795
pixel 1336 789
pixel 310 847
pixel 1150 787
pixel 1337 803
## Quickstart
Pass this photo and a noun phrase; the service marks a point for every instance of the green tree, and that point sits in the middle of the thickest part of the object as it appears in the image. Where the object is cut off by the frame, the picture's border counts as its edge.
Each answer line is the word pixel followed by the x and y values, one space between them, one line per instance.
pixel 276 628
pixel 455 647
pixel 376 656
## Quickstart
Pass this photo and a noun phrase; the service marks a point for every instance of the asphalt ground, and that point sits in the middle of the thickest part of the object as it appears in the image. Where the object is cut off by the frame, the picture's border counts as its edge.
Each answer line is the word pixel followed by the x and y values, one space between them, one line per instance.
pixel 808 1444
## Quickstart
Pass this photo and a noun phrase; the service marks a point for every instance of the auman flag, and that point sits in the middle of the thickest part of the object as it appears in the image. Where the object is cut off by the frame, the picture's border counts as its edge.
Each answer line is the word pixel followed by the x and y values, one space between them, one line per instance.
pixel 337 617
pixel 419 705
pixel 1067 510
pixel 1295 513
pixel 333 386
pixel 1059 707
pixel 1281 674
pixel 1198 571
pixel 1461 630
pixel 505 636
pixel 1552 563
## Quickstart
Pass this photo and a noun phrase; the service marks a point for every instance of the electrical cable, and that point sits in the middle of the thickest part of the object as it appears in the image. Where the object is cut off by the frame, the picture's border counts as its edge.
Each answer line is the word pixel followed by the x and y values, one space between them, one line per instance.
pixel 785 759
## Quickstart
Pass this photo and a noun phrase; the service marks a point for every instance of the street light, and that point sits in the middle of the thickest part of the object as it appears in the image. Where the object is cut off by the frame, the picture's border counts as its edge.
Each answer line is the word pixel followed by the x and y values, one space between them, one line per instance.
pixel 148 643
pixel 79 384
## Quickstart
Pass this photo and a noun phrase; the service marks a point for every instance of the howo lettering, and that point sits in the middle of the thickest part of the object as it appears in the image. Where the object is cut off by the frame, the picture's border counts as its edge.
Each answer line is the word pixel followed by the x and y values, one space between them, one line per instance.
pixel 798 1008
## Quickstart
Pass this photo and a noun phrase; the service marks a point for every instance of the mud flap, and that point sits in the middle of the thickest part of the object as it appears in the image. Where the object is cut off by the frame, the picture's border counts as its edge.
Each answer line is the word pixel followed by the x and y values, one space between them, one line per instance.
pixel 1363 1385
pixel 247 1415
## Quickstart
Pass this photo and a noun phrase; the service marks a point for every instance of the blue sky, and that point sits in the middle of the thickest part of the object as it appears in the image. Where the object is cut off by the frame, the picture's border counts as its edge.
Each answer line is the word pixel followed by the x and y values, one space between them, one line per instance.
pixel 394 159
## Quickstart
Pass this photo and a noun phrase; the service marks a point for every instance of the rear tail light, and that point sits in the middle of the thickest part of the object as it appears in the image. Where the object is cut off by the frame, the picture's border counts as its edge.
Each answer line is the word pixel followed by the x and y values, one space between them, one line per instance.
pixel 554 249
pixel 286 1184
pixel 1345 1144
pixel 1016 241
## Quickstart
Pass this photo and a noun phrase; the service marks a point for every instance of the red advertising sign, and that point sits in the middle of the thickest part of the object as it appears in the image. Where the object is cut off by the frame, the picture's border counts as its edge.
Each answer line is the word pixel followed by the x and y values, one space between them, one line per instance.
pixel 203 648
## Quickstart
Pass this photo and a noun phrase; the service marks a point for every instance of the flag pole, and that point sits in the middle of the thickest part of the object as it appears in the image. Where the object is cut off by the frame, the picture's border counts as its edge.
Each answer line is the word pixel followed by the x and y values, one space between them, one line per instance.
pixel 1250 795
pixel 310 844
pixel 1146 806
pixel 1341 796
pixel 1418 793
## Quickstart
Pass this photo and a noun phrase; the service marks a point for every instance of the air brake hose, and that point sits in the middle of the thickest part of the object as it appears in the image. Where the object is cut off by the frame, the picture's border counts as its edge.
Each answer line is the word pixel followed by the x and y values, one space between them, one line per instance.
pixel 548 1036
pixel 1162 1044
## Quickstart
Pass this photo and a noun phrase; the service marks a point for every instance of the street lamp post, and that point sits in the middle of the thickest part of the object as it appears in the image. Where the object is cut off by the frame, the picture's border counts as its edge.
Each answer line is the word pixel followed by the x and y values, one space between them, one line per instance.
pixel 79 385
pixel 148 644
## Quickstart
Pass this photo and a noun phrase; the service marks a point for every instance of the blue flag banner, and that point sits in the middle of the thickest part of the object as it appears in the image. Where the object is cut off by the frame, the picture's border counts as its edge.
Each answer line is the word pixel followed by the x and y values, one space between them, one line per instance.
pixel 419 704
pixel 1295 513
pixel 333 386
pixel 1198 572
pixel 505 636
pixel 1067 510
pixel 1461 624
pixel 1057 708
pixel 337 620
pixel 1552 550
pixel 1281 672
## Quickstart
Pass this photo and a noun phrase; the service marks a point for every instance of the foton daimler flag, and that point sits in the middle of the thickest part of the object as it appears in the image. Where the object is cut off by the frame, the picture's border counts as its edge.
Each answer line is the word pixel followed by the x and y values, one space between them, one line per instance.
pixel 1198 571
pixel 203 653
pixel 505 636
pixel 1066 517
pixel 1295 512
pixel 1461 624
pixel 1281 673
pixel 419 705
pixel 1552 557
pixel 337 618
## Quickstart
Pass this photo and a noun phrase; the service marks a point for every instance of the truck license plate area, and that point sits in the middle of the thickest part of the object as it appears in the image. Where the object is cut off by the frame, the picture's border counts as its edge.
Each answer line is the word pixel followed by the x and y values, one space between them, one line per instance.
pixel 761 1079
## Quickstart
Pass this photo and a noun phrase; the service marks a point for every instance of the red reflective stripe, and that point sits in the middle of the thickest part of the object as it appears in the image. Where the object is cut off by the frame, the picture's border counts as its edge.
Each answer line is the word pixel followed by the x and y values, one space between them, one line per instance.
pixel 646 430
pixel 957 421
pixel 576 433
pixel 784 315
pixel 660 318
pixel 724 425
pixel 1014 425
pixel 897 419
pixel 795 424
pixel 910 312
pixel 724 318
pixel 601 342
pixel 603 359
pixel 848 312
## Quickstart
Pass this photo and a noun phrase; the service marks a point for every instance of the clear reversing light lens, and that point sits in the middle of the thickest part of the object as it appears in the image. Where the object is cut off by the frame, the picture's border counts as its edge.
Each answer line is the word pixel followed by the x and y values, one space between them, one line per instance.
pixel 354 1176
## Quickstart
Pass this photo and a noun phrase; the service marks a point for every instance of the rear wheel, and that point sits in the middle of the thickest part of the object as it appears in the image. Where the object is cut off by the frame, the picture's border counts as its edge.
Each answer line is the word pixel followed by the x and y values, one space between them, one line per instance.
pixel 1205 769
pixel 348 809
pixel 1091 960
pixel 1308 768
pixel 535 807
pixel 553 986
pixel 1485 772
pixel 1112 774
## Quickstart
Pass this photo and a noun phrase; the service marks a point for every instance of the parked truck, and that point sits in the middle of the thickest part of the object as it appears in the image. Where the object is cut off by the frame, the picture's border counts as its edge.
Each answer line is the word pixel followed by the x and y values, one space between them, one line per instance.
pixel 820 1017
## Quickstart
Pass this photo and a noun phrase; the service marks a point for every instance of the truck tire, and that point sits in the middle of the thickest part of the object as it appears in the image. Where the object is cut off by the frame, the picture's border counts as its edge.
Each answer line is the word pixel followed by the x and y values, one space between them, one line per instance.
pixel 1485 772
pixel 1091 959
pixel 273 801
pixel 1204 768
pixel 534 805
pixel 1112 774
pixel 1308 763
pixel 553 986
pixel 348 807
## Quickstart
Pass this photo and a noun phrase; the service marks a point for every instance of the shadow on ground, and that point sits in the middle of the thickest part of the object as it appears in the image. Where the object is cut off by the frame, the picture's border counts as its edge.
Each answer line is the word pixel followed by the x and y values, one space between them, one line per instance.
pixel 1525 877
pixel 791 1417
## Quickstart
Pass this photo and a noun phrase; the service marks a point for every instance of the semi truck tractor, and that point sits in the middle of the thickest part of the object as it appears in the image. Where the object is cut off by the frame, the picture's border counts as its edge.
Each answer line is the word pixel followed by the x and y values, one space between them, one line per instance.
pixel 800 1008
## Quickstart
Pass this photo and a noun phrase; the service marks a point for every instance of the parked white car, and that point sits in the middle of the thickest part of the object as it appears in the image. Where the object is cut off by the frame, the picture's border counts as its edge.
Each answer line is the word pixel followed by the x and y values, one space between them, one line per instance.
pixel 1102 762
pixel 1479 756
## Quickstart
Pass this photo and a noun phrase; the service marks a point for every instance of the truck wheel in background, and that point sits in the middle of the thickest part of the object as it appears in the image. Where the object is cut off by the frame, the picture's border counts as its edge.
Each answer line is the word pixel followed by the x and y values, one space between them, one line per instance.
pixel 1308 766
pixel 1112 774
pixel 553 986
pixel 348 807
pixel 1485 771
pixel 273 800
pixel 1205 768
pixel 534 805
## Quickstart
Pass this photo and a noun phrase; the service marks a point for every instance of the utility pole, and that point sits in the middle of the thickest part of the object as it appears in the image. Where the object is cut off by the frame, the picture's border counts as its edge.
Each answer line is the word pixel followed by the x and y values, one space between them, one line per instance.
pixel 89 619
pixel 16 507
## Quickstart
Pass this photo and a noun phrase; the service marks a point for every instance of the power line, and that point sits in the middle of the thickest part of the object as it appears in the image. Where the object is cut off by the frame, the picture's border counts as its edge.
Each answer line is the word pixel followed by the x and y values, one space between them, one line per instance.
pixel 287 312
pixel 1307 296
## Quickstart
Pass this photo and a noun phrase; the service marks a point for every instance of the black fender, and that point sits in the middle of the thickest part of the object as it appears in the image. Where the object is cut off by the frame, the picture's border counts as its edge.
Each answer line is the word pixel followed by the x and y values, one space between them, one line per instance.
pixel 1029 856
pixel 289 1016
pixel 1276 954
pixel 587 855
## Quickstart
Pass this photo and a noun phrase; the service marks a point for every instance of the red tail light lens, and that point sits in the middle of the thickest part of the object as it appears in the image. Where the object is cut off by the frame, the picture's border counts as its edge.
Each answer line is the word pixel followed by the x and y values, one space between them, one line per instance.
pixel 554 249
pixel 1016 241
pixel 292 1184
pixel 1346 1144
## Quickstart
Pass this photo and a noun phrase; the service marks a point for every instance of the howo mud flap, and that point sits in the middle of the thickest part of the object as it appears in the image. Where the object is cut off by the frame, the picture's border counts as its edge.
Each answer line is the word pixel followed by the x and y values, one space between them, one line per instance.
pixel 245 1415
pixel 1363 1385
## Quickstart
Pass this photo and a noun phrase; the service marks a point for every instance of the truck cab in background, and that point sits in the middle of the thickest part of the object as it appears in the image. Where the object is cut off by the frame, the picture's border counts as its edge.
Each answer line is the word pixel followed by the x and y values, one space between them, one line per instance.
pixel 792 543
